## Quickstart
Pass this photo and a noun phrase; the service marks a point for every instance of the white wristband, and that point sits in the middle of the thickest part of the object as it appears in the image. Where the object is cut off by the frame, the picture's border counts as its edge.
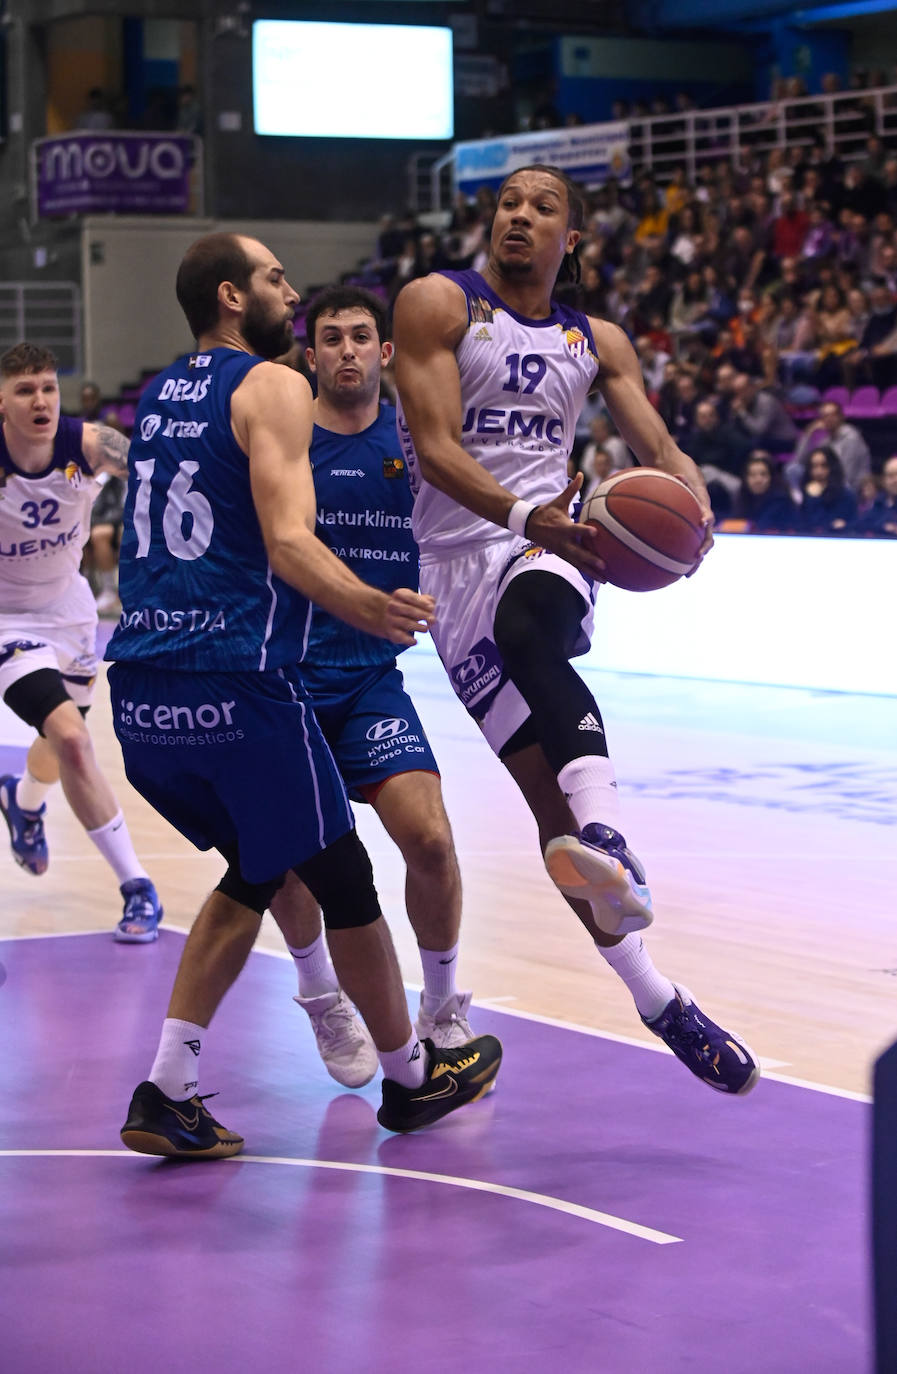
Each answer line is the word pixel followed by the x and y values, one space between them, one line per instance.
pixel 518 515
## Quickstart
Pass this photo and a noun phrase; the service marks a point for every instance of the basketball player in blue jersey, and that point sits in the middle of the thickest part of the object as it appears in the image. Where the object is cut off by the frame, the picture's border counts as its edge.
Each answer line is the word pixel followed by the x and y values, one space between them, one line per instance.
pixel 219 563
pixel 49 465
pixel 368 719
pixel 491 374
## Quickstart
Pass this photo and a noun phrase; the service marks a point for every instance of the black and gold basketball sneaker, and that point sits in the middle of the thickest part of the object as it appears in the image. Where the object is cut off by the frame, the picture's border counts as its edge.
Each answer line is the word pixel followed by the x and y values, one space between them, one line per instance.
pixel 455 1076
pixel 157 1125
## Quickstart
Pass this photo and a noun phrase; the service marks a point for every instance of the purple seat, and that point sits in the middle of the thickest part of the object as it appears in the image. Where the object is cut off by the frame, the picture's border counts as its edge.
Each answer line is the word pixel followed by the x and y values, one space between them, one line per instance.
pixel 864 403
pixel 889 401
pixel 837 394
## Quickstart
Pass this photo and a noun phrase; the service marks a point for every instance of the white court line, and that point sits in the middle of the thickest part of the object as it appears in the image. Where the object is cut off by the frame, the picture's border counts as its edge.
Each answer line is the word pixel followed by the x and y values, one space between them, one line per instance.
pixel 57 934
pixel 521 1015
pixel 660 1049
pixel 555 1204
pixel 96 858
pixel 170 856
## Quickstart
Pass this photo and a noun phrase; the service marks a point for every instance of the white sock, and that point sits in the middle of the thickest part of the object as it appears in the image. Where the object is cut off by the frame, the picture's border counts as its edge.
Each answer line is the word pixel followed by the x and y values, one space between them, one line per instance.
pixel 176 1067
pixel 316 973
pixel 407 1065
pixel 30 793
pixel 114 843
pixel 631 961
pixel 590 786
pixel 439 966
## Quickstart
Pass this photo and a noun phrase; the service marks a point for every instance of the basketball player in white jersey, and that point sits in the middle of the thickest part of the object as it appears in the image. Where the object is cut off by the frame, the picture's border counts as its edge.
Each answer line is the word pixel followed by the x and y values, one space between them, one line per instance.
pixel 48 621
pixel 492 374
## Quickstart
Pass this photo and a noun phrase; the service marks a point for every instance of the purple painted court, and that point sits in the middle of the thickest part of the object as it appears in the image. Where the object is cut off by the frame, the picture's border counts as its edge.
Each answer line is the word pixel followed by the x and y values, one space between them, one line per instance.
pixel 601 1211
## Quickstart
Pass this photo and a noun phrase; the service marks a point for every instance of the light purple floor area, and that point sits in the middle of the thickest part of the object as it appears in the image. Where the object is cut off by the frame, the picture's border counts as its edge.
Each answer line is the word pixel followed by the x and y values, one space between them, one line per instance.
pixel 114 1263
pixel 12 759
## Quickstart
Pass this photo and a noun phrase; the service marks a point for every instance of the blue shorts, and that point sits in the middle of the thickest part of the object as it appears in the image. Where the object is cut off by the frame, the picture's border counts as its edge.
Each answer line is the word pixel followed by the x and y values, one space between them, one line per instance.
pixel 370 723
pixel 235 761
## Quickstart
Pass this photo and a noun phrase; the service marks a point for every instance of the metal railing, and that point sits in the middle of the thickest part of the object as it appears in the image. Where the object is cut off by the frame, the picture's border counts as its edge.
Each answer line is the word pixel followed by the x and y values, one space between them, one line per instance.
pixel 47 312
pixel 430 189
pixel 692 138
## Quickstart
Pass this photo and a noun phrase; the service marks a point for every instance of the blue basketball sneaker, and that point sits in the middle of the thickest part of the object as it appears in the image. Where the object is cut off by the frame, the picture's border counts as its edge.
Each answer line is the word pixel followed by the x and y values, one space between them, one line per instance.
pixel 714 1055
pixel 26 829
pixel 139 924
pixel 596 867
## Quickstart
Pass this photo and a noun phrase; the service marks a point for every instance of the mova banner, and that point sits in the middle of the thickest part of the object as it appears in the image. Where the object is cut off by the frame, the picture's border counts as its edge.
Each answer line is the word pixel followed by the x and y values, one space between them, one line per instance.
pixel 118 173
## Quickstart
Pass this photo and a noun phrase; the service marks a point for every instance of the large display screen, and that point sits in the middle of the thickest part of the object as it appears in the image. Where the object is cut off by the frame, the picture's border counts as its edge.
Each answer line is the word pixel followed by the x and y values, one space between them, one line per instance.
pixel 322 80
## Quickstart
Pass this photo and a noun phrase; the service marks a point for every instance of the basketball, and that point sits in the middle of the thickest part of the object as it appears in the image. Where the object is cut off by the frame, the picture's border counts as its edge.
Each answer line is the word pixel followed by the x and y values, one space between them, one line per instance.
pixel 649 527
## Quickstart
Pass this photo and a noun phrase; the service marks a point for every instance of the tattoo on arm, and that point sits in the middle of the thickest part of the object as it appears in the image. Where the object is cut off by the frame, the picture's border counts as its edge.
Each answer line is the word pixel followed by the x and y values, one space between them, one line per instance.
pixel 112 449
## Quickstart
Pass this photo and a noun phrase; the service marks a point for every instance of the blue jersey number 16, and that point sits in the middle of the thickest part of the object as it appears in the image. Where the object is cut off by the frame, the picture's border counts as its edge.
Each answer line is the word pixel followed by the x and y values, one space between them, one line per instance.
pixel 181 501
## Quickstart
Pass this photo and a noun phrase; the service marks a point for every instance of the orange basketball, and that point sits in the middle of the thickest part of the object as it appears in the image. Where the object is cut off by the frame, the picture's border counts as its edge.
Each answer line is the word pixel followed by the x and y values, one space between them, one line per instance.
pixel 649 525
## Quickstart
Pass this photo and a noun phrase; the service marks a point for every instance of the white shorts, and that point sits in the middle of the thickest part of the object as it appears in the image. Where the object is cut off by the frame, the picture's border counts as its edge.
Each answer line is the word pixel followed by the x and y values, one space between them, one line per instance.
pixel 467 590
pixel 60 636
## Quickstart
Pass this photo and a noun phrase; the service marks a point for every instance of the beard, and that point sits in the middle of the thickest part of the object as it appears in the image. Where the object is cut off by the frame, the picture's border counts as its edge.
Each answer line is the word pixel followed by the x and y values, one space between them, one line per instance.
pixel 513 266
pixel 266 337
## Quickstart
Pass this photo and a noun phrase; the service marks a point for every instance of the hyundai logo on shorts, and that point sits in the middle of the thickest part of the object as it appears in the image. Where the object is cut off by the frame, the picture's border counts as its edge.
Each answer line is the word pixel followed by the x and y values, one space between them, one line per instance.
pixel 469 669
pixel 387 729
pixel 477 676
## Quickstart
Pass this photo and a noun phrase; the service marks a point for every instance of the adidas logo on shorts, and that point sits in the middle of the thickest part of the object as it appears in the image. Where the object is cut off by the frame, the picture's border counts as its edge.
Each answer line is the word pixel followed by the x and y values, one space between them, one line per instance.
pixel 590 722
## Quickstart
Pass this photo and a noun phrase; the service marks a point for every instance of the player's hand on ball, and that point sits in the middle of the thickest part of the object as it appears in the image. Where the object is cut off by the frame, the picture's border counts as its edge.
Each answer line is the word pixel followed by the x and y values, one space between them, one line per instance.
pixel 406 615
pixel 651 526
pixel 707 522
pixel 551 528
pixel 699 491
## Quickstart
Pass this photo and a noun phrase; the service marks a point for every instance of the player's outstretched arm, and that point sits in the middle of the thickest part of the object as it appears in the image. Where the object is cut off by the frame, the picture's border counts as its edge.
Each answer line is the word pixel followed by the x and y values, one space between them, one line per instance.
pixel 271 416
pixel 106 450
pixel 621 384
pixel 429 321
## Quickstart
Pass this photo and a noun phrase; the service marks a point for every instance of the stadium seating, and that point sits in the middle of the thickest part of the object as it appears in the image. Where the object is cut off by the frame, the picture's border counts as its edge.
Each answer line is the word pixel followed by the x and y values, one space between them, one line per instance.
pixel 863 404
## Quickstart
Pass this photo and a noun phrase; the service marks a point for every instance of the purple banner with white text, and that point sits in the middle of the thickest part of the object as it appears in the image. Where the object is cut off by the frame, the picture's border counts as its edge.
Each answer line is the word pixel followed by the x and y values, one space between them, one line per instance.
pixel 118 173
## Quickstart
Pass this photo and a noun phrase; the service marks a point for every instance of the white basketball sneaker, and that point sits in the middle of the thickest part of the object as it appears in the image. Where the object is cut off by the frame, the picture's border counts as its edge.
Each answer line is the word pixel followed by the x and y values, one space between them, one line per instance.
pixel 596 867
pixel 448 1025
pixel 344 1041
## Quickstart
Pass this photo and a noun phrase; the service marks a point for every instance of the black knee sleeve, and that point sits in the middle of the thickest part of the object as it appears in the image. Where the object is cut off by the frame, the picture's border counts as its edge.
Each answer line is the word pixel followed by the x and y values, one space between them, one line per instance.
pixel 256 896
pixel 342 882
pixel 521 739
pixel 34 696
pixel 538 611
pixel 538 624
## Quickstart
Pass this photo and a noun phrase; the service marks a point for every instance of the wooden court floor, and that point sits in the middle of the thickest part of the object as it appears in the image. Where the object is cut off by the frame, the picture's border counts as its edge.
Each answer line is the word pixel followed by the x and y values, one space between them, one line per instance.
pixel 766 817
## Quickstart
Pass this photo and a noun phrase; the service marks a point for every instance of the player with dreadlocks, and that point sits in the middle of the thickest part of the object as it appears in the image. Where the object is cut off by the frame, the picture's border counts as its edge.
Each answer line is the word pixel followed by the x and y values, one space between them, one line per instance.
pixel 492 372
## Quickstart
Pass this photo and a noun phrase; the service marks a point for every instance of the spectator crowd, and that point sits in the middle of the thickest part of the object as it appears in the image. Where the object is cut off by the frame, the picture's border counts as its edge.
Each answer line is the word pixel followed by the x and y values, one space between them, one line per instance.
pixel 762 300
